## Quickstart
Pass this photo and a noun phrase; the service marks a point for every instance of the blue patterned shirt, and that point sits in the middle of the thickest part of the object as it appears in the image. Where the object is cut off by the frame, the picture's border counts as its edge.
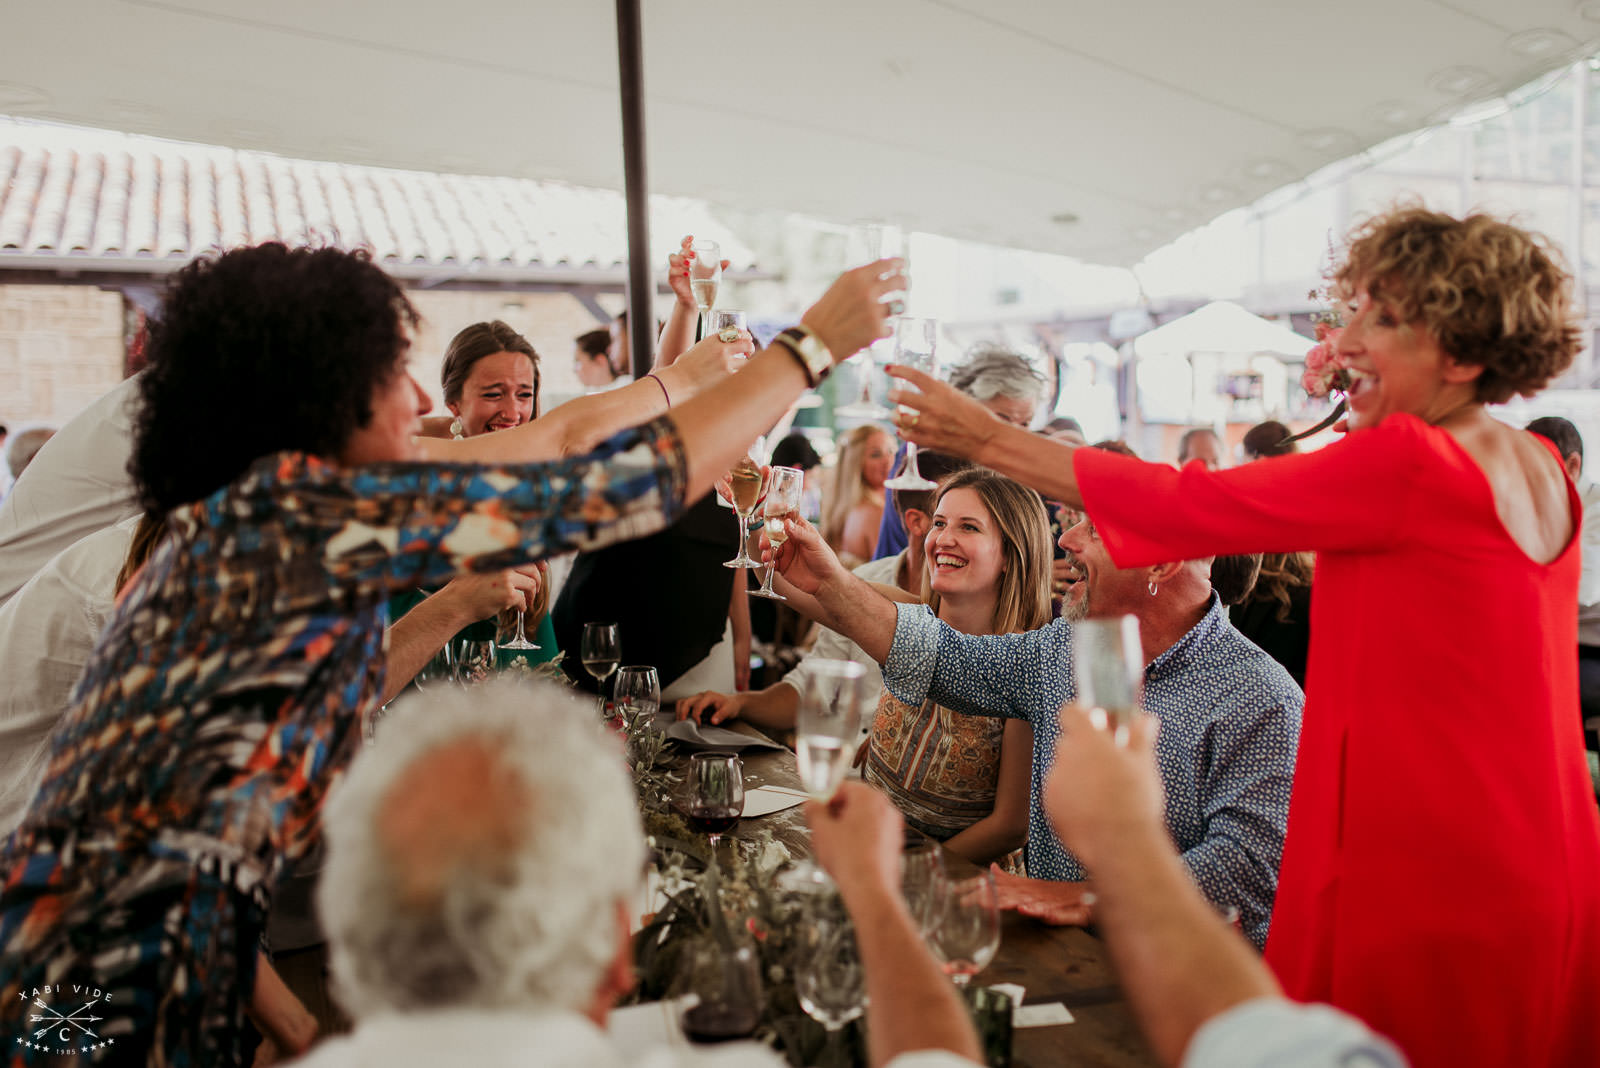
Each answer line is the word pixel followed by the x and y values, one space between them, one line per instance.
pixel 1230 724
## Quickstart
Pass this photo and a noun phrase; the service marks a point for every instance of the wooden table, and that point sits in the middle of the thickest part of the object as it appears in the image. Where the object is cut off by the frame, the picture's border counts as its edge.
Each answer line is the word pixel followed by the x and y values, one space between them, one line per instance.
pixel 1061 964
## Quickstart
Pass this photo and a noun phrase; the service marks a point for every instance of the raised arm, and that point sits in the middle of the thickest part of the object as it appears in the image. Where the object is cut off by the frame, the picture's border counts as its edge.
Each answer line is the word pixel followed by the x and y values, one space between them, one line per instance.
pixel 945 419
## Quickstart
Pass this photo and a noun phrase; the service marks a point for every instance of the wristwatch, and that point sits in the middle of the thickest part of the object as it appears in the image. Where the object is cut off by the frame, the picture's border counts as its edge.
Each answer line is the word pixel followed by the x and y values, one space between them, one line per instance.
pixel 807 347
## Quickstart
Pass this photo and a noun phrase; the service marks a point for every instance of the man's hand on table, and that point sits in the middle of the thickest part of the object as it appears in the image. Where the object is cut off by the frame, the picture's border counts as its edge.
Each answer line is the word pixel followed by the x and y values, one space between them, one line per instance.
pixel 1060 904
pixel 708 706
pixel 857 837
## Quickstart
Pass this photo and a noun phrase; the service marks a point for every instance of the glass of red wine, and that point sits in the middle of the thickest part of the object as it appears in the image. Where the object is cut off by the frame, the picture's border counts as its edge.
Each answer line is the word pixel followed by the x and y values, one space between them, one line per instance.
pixel 716 793
pixel 723 986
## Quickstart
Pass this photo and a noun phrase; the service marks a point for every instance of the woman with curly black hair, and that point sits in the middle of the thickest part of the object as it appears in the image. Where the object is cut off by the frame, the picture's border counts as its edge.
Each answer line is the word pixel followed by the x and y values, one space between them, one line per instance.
pixel 226 692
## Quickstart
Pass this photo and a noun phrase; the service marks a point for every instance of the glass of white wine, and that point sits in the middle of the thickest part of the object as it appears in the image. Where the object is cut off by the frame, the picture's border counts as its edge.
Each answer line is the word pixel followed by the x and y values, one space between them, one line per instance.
pixel 600 650
pixel 1108 668
pixel 916 343
pixel 966 933
pixel 705 278
pixel 783 500
pixel 747 481
pixel 826 728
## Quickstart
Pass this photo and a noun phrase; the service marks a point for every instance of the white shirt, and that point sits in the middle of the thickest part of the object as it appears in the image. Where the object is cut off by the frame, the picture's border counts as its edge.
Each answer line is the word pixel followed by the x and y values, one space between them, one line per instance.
pixel 553 1040
pixel 1589 581
pixel 47 632
pixel 1281 1033
pixel 77 484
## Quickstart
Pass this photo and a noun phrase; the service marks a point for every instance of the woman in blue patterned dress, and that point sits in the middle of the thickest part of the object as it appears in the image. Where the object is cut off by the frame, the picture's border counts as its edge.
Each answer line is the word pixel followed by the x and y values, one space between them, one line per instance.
pixel 277 434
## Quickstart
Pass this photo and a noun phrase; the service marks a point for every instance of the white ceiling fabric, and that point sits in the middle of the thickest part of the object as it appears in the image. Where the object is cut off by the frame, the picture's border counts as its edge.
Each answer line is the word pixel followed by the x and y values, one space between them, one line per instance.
pixel 979 119
pixel 1223 327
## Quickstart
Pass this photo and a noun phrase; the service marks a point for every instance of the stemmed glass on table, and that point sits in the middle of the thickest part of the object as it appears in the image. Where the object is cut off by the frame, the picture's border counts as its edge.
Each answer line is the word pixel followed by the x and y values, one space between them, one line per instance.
pixel 830 982
pixel 715 791
pixel 636 694
pixel 784 486
pixel 516 649
pixel 705 278
pixel 965 932
pixel 726 986
pixel 916 344
pixel 600 650
pixel 474 659
pixel 1108 668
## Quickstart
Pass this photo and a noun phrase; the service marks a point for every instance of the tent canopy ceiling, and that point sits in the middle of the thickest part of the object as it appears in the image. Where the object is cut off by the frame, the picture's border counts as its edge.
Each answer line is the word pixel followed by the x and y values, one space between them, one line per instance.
pixel 1223 327
pixel 1092 129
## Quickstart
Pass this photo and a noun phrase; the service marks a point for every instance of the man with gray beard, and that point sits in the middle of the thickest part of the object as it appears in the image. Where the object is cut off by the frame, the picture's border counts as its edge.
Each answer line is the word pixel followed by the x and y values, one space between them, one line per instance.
pixel 1230 715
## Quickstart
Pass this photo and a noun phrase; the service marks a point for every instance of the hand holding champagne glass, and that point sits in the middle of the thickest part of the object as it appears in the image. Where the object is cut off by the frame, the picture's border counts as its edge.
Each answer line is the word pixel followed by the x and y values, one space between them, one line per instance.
pixel 600 650
pixel 915 346
pixel 746 481
pixel 705 278
pixel 836 694
pixel 783 500
pixel 1108 667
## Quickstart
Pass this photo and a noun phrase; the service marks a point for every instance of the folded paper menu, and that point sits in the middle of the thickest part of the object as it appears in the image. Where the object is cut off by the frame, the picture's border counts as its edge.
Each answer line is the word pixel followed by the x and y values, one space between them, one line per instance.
pixel 765 800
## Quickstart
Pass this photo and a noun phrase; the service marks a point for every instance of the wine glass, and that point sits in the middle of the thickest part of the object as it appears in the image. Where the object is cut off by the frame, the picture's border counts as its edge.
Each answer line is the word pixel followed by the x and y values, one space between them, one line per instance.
pixel 726 984
pixel 517 648
pixel 475 659
pixel 1108 666
pixel 830 982
pixel 723 318
pixel 601 651
pixel 783 499
pixel 705 277
pixel 915 346
pixel 836 692
pixel 637 694
pixel 747 480
pixel 966 933
pixel 715 788
pixel 922 879
pixel 883 242
pixel 441 667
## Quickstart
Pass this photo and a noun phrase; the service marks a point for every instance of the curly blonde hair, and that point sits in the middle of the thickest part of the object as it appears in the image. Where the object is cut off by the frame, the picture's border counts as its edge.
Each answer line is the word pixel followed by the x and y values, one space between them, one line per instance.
pixel 1492 294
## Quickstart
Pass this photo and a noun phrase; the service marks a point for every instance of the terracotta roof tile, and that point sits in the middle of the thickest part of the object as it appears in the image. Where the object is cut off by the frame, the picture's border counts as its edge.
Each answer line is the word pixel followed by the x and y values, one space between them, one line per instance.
pixel 74 193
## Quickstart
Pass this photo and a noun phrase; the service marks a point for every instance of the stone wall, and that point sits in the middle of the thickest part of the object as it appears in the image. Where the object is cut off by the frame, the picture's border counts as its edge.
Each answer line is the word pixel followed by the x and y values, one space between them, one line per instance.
pixel 60 348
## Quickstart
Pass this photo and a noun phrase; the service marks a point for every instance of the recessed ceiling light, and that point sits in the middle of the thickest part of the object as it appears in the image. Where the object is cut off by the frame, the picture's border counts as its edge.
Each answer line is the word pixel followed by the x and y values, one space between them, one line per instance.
pixel 1458 81
pixel 1326 139
pixel 1539 42
pixel 1216 194
pixel 1391 112
pixel 1144 233
pixel 1175 214
pixel 1064 218
pixel 1266 168
pixel 15 96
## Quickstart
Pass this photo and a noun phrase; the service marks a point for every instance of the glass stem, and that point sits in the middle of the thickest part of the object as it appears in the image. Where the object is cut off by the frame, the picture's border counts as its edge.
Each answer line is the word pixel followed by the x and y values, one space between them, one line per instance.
pixel 520 637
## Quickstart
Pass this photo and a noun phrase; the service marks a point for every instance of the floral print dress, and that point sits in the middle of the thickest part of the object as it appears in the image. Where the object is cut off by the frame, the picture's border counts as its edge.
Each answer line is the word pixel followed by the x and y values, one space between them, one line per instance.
pixel 222 701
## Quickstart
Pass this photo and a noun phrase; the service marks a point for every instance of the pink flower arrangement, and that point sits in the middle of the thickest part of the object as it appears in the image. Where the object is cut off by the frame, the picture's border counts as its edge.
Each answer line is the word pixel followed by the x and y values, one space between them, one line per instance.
pixel 1325 372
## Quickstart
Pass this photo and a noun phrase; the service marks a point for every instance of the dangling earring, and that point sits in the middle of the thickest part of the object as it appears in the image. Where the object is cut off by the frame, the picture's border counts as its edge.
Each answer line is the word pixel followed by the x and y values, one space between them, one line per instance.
pixel 1151 586
pixel 456 429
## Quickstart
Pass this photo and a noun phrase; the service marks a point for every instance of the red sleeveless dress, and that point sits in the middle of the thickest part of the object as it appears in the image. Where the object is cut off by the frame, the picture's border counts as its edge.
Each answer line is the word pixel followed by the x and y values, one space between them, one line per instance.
pixel 1441 874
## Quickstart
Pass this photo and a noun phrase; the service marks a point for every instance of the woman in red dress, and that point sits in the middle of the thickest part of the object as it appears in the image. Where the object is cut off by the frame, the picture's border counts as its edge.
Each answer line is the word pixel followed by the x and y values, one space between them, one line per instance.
pixel 1441 875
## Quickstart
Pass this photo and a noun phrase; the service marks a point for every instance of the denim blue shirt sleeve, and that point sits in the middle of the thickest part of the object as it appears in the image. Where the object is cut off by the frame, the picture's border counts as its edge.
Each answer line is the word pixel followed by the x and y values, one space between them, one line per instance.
pixel 1230 726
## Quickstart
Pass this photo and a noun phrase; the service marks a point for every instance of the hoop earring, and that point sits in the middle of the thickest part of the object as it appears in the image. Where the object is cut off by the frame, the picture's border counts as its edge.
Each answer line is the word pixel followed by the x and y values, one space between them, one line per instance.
pixel 457 431
pixel 1151 586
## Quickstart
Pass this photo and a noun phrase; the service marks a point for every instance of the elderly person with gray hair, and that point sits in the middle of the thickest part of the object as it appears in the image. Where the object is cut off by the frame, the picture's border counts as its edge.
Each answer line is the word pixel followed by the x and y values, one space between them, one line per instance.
pixel 1003 382
pixel 482 861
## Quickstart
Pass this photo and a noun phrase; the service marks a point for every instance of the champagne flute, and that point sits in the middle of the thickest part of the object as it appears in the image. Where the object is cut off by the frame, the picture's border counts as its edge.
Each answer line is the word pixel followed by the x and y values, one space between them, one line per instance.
pixel 723 318
pixel 1108 666
pixel 601 651
pixel 883 242
pixel 966 935
pixel 716 794
pixel 746 479
pixel 836 692
pixel 705 278
pixel 915 346
pixel 783 500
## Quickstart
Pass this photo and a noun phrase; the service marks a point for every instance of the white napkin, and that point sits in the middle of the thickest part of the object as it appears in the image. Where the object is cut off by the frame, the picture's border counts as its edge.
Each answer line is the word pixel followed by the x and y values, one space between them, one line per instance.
pixel 765 800
pixel 706 736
